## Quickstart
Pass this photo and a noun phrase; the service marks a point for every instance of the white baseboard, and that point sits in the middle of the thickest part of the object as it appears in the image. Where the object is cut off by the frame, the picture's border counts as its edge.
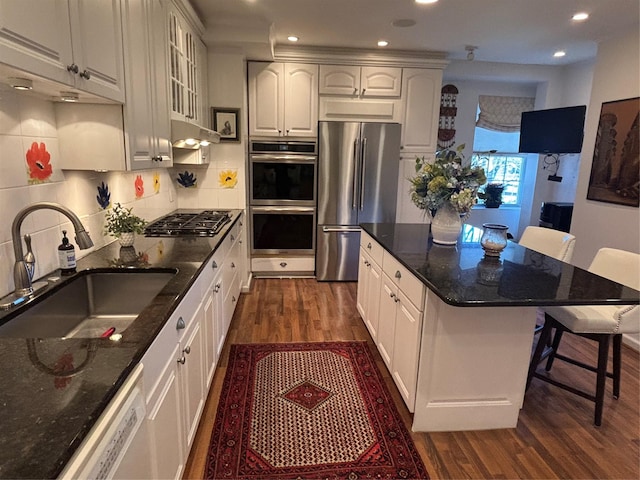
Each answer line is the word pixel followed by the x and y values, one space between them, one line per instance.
pixel 631 341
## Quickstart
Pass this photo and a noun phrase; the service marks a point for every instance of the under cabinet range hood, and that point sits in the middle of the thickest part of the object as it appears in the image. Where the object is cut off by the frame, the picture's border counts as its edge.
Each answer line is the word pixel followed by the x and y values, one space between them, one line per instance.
pixel 190 136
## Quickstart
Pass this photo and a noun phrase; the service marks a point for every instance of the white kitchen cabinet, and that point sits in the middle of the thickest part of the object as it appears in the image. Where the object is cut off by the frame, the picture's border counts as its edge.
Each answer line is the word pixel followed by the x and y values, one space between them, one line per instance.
pixel 396 301
pixel 136 135
pixel 191 371
pixel 359 81
pixel 187 69
pixel 283 99
pixel 165 422
pixel 146 112
pixel 420 110
pixel 77 43
pixel 174 381
pixel 369 283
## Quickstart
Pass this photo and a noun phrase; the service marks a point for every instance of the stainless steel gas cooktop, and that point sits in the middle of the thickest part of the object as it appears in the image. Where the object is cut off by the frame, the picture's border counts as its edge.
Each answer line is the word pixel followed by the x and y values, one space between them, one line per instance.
pixel 200 224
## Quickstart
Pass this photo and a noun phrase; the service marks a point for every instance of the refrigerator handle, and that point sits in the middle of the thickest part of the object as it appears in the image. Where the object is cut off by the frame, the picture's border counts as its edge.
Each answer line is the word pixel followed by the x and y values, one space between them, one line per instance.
pixel 355 175
pixel 341 229
pixel 363 156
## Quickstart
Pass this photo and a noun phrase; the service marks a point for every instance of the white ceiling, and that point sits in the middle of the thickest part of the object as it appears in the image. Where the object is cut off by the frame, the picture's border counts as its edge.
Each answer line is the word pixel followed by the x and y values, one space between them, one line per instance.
pixel 510 31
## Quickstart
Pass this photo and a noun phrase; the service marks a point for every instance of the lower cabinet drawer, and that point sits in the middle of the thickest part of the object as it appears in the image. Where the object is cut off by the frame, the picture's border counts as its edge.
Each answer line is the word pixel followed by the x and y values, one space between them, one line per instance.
pixel 413 288
pixel 283 265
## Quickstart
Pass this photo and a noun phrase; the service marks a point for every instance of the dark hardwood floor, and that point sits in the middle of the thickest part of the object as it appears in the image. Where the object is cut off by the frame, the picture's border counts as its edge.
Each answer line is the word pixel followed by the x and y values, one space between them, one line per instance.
pixel 554 438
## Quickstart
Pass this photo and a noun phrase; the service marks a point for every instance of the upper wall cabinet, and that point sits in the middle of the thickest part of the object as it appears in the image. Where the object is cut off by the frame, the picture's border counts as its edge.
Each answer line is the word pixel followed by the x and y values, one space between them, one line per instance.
pixel 283 99
pixel 187 70
pixel 421 91
pixel 135 135
pixel 75 42
pixel 360 81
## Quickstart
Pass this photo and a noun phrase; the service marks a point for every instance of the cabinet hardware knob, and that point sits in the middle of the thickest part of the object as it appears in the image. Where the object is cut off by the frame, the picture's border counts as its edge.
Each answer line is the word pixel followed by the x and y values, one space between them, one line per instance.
pixel 240 242
pixel 396 299
pixel 283 264
pixel 216 289
pixel 398 274
pixel 355 91
pixel 187 350
pixel 73 68
pixel 288 131
pixel 86 74
pixel 369 245
pixel 240 223
pixel 180 325
pixel 392 295
pixel 233 299
pixel 182 360
pixel 363 90
pixel 214 264
pixel 233 238
pixel 233 265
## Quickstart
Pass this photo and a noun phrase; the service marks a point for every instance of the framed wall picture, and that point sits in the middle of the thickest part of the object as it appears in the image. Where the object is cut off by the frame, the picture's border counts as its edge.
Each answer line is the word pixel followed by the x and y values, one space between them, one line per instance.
pixel 615 170
pixel 225 121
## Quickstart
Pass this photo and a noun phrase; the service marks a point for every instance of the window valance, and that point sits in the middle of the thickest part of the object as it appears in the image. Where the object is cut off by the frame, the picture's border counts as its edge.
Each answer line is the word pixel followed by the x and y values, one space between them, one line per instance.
pixel 502 114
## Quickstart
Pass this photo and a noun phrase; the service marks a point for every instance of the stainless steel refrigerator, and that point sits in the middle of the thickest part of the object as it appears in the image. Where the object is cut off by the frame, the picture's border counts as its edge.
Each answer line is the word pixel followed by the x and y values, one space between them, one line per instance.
pixel 358 167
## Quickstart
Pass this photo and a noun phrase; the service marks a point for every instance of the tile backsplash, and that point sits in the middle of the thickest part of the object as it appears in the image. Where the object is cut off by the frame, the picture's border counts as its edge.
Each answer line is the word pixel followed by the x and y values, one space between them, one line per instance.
pixel 25 120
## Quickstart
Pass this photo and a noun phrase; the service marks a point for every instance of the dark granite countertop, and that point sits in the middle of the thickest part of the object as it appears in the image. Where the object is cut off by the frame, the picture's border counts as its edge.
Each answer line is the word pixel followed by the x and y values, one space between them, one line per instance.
pixel 461 275
pixel 44 417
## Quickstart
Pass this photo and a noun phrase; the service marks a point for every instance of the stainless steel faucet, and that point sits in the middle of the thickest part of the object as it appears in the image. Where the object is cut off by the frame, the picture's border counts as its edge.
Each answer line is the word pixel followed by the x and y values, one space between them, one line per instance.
pixel 21 276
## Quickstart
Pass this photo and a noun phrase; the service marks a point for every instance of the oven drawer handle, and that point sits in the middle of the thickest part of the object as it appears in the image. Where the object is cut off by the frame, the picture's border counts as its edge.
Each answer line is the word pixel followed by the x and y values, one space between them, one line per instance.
pixel 340 229
pixel 274 209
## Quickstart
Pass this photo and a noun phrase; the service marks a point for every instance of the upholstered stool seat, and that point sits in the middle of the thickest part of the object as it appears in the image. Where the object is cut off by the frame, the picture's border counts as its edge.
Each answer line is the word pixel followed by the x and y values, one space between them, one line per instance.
pixel 553 243
pixel 600 323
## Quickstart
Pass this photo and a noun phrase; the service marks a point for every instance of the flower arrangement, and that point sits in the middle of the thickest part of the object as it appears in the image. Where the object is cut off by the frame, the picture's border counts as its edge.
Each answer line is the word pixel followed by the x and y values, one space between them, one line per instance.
pixel 446 180
pixel 120 220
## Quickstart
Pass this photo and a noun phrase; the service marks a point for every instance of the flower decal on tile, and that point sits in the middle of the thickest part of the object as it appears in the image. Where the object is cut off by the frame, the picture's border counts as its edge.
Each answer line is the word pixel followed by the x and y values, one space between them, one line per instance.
pixel 38 163
pixel 228 178
pixel 139 184
pixel 103 197
pixel 156 182
pixel 187 179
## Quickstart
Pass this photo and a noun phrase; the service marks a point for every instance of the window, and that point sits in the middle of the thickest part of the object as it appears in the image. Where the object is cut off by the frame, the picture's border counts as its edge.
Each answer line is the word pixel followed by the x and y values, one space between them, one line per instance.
pixel 496 140
pixel 504 168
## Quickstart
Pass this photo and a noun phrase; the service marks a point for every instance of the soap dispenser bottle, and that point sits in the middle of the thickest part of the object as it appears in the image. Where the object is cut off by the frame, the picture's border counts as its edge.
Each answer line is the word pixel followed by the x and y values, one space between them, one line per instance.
pixel 67 256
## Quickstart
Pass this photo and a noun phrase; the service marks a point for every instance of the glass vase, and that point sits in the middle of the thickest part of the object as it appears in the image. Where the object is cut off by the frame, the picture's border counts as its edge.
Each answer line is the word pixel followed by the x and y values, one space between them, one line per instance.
pixel 446 225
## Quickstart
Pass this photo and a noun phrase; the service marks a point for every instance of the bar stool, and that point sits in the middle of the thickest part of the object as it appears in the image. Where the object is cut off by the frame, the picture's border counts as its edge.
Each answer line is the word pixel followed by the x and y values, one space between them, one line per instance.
pixel 600 323
pixel 552 243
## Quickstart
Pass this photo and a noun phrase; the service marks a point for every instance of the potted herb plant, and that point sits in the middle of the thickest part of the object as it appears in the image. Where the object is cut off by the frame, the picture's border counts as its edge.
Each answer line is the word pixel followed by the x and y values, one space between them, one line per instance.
pixel 492 195
pixel 123 224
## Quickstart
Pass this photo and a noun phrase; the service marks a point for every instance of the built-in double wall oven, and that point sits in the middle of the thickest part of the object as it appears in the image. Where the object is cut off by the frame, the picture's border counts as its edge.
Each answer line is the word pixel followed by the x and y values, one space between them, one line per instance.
pixel 282 198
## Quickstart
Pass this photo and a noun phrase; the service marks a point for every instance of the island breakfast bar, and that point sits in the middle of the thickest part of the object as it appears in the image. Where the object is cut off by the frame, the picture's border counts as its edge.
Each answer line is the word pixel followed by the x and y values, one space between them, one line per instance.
pixel 459 351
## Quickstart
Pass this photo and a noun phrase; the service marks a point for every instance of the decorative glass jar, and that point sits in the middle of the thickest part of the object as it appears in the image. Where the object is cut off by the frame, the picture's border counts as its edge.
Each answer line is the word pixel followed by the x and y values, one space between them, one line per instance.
pixel 494 239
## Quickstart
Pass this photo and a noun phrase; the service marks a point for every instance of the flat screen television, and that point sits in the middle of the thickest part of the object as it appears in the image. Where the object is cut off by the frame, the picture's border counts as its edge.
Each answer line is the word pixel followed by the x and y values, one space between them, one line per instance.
pixel 556 130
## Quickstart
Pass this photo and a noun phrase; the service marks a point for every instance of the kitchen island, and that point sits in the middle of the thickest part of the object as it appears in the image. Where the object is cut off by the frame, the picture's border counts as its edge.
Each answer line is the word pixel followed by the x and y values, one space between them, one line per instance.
pixel 474 324
pixel 46 414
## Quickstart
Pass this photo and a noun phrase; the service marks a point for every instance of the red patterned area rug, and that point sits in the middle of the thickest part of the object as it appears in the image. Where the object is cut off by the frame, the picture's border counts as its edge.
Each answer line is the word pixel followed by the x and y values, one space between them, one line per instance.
pixel 308 411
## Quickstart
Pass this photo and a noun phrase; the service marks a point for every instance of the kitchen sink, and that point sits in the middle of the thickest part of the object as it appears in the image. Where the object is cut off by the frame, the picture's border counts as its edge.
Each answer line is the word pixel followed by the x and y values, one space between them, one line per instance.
pixel 91 304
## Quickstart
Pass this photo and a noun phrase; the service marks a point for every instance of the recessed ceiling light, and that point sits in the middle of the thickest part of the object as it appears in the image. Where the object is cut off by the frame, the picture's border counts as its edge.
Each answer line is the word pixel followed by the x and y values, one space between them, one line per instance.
pixel 292 38
pixel 426 1
pixel 403 22
pixel 580 16
pixel 20 83
pixel 382 43
pixel 560 53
